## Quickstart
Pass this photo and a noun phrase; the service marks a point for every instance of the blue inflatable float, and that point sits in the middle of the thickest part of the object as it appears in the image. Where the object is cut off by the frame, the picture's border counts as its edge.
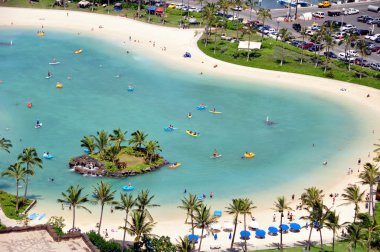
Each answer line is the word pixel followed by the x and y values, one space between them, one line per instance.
pixel 128 188
pixel 47 156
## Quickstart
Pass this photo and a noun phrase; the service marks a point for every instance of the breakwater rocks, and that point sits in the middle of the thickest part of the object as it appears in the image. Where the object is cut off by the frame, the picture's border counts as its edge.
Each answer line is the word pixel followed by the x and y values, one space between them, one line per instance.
pixel 89 166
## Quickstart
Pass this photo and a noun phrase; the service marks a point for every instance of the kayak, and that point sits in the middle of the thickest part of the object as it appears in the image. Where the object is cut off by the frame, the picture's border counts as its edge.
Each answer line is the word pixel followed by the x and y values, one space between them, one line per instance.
pixel 249 155
pixel 128 188
pixel 215 112
pixel 168 129
pixel 175 165
pixel 217 156
pixel 192 133
pixel 201 107
pixel 54 63
pixel 48 156
pixel 78 51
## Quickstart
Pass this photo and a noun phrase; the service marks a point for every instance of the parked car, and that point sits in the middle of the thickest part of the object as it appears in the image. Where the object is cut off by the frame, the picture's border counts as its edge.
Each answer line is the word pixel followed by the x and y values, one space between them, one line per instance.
pixel 352 53
pixel 361 62
pixel 348 27
pixel 377 40
pixel 334 13
pixel 270 30
pixel 324 4
pixel 310 32
pixel 345 57
pixel 296 42
pixel 296 27
pixel 307 45
pixel 375 49
pixel 361 32
pixel 339 35
pixel 318 14
pixel 375 66
pixel 333 23
pixel 273 35
pixel 316 28
pixel 373 37
pixel 364 18
pixel 330 55
pixel 237 8
pixel 373 21
pixel 315 48
pixel 350 11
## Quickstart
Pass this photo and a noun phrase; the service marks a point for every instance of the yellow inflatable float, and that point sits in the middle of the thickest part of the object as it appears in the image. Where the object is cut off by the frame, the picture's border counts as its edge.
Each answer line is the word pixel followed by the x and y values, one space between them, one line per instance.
pixel 40 34
pixel 174 165
pixel 78 51
pixel 59 85
pixel 249 155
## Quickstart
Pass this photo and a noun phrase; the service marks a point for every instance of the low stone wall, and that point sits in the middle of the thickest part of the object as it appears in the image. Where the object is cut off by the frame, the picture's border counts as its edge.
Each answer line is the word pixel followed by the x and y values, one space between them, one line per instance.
pixel 53 234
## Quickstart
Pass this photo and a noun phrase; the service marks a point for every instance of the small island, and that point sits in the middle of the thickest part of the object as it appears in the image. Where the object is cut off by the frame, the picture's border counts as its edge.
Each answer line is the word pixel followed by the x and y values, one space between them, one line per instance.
pixel 106 156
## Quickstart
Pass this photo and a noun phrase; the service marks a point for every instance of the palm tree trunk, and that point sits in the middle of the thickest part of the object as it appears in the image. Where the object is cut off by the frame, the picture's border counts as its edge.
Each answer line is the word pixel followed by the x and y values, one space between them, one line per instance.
pixel 192 230
pixel 101 218
pixel 233 236
pixel 215 39
pixel 245 230
pixel 200 242
pixel 369 241
pixel 371 200
pixel 308 243
pixel 355 214
pixel 26 182
pixel 249 42
pixel 16 195
pixel 73 217
pixel 282 55
pixel 125 231
pixel 320 236
pixel 333 244
pixel 281 232
pixel 138 9
pixel 262 34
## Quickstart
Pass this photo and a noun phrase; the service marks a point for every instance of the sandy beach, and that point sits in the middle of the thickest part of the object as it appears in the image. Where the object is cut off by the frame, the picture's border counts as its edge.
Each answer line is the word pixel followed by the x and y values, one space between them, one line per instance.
pixel 168 45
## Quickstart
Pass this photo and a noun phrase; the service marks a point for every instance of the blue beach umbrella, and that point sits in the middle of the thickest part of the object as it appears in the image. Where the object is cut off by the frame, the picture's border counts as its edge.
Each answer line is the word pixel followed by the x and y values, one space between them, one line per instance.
pixel 230 236
pixel 218 213
pixel 295 227
pixel 284 227
pixel 273 230
pixel 260 233
pixel 245 234
pixel 215 236
pixel 193 237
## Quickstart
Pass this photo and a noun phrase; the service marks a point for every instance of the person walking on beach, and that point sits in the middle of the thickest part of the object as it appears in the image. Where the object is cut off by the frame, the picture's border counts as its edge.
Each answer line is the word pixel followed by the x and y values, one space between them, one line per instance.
pixel 274 217
pixel 359 161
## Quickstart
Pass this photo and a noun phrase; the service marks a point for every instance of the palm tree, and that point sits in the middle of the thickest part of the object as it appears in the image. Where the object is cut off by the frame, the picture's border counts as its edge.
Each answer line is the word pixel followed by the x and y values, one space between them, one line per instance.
pixel 317 38
pixel 362 48
pixel 190 204
pixel 103 195
pixel 311 197
pixel 320 215
pixel 250 24
pixel 263 14
pixel 203 219
pixel 224 5
pixel 17 172
pixel 74 198
pixel 183 245
pixel 138 139
pixel 348 38
pixel 280 206
pixel 209 16
pixel 29 157
pixel 101 141
pixel 284 35
pixel 5 144
pixel 88 142
pixel 353 195
pixel 247 207
pixel 303 35
pixel 235 208
pixel 355 236
pixel 368 222
pixel 118 137
pixel 238 3
pixel 329 42
pixel 332 223
pixel 151 148
pixel 127 202
pixel 144 202
pixel 139 226
pixel 369 176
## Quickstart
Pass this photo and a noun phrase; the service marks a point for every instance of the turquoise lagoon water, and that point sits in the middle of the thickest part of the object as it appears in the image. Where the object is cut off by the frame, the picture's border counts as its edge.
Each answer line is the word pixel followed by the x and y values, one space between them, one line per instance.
pixel 94 99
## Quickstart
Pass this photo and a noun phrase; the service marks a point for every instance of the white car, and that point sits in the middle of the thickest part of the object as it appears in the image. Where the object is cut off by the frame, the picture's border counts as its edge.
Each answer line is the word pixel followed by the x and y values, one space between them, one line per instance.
pixel 319 14
pixel 339 35
pixel 373 37
pixel 273 35
pixel 352 53
pixel 345 57
pixel 350 11
pixel 270 30
pixel 347 27
pixel 237 8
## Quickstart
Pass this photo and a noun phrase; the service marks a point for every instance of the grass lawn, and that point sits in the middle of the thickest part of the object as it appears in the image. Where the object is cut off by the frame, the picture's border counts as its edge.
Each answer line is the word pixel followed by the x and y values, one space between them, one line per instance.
pixel 269 56
pixel 8 204
pixel 339 247
pixel 377 212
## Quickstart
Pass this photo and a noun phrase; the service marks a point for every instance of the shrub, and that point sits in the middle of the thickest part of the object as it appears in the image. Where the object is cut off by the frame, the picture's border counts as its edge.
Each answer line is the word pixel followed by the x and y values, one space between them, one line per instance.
pixel 58 224
pixel 102 244
pixel 329 74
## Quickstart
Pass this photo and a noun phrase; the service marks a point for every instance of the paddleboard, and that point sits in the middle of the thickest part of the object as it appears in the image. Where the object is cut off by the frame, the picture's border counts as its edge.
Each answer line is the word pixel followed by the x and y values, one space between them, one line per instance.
pixel 215 112
pixel 217 156
pixel 38 126
pixel 54 63
pixel 48 77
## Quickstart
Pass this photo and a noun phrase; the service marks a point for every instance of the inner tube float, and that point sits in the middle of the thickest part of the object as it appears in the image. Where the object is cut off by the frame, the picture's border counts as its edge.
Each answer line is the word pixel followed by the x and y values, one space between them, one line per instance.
pixel 48 156
pixel 78 51
pixel 174 165
pixel 29 104
pixel 59 85
pixel 40 34
pixel 128 188
pixel 189 116
pixel 192 133
pixel 249 155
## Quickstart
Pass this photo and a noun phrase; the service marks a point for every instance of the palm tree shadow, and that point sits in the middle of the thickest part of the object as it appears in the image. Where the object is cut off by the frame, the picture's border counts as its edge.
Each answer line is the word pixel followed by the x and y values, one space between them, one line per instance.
pixel 305 243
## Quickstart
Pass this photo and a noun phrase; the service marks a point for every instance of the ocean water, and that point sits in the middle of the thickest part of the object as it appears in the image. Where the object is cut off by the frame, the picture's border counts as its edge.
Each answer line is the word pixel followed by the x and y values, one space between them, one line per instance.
pixel 94 99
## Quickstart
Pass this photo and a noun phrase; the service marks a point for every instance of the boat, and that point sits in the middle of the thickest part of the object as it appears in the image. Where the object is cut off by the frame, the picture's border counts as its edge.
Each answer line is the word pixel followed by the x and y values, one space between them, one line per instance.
pixel 47 156
pixel 54 63
pixel 169 129
pixel 293 3
pixel 249 155
pixel 216 156
pixel 201 107
pixel 40 34
pixel 78 51
pixel 38 125
pixel 215 112
pixel 192 133
pixel 174 165
pixel 128 188
pixel 131 88
pixel 59 85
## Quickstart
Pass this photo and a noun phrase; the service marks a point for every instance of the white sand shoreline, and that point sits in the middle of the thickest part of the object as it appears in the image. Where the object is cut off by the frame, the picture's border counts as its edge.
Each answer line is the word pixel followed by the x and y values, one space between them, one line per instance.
pixel 117 30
